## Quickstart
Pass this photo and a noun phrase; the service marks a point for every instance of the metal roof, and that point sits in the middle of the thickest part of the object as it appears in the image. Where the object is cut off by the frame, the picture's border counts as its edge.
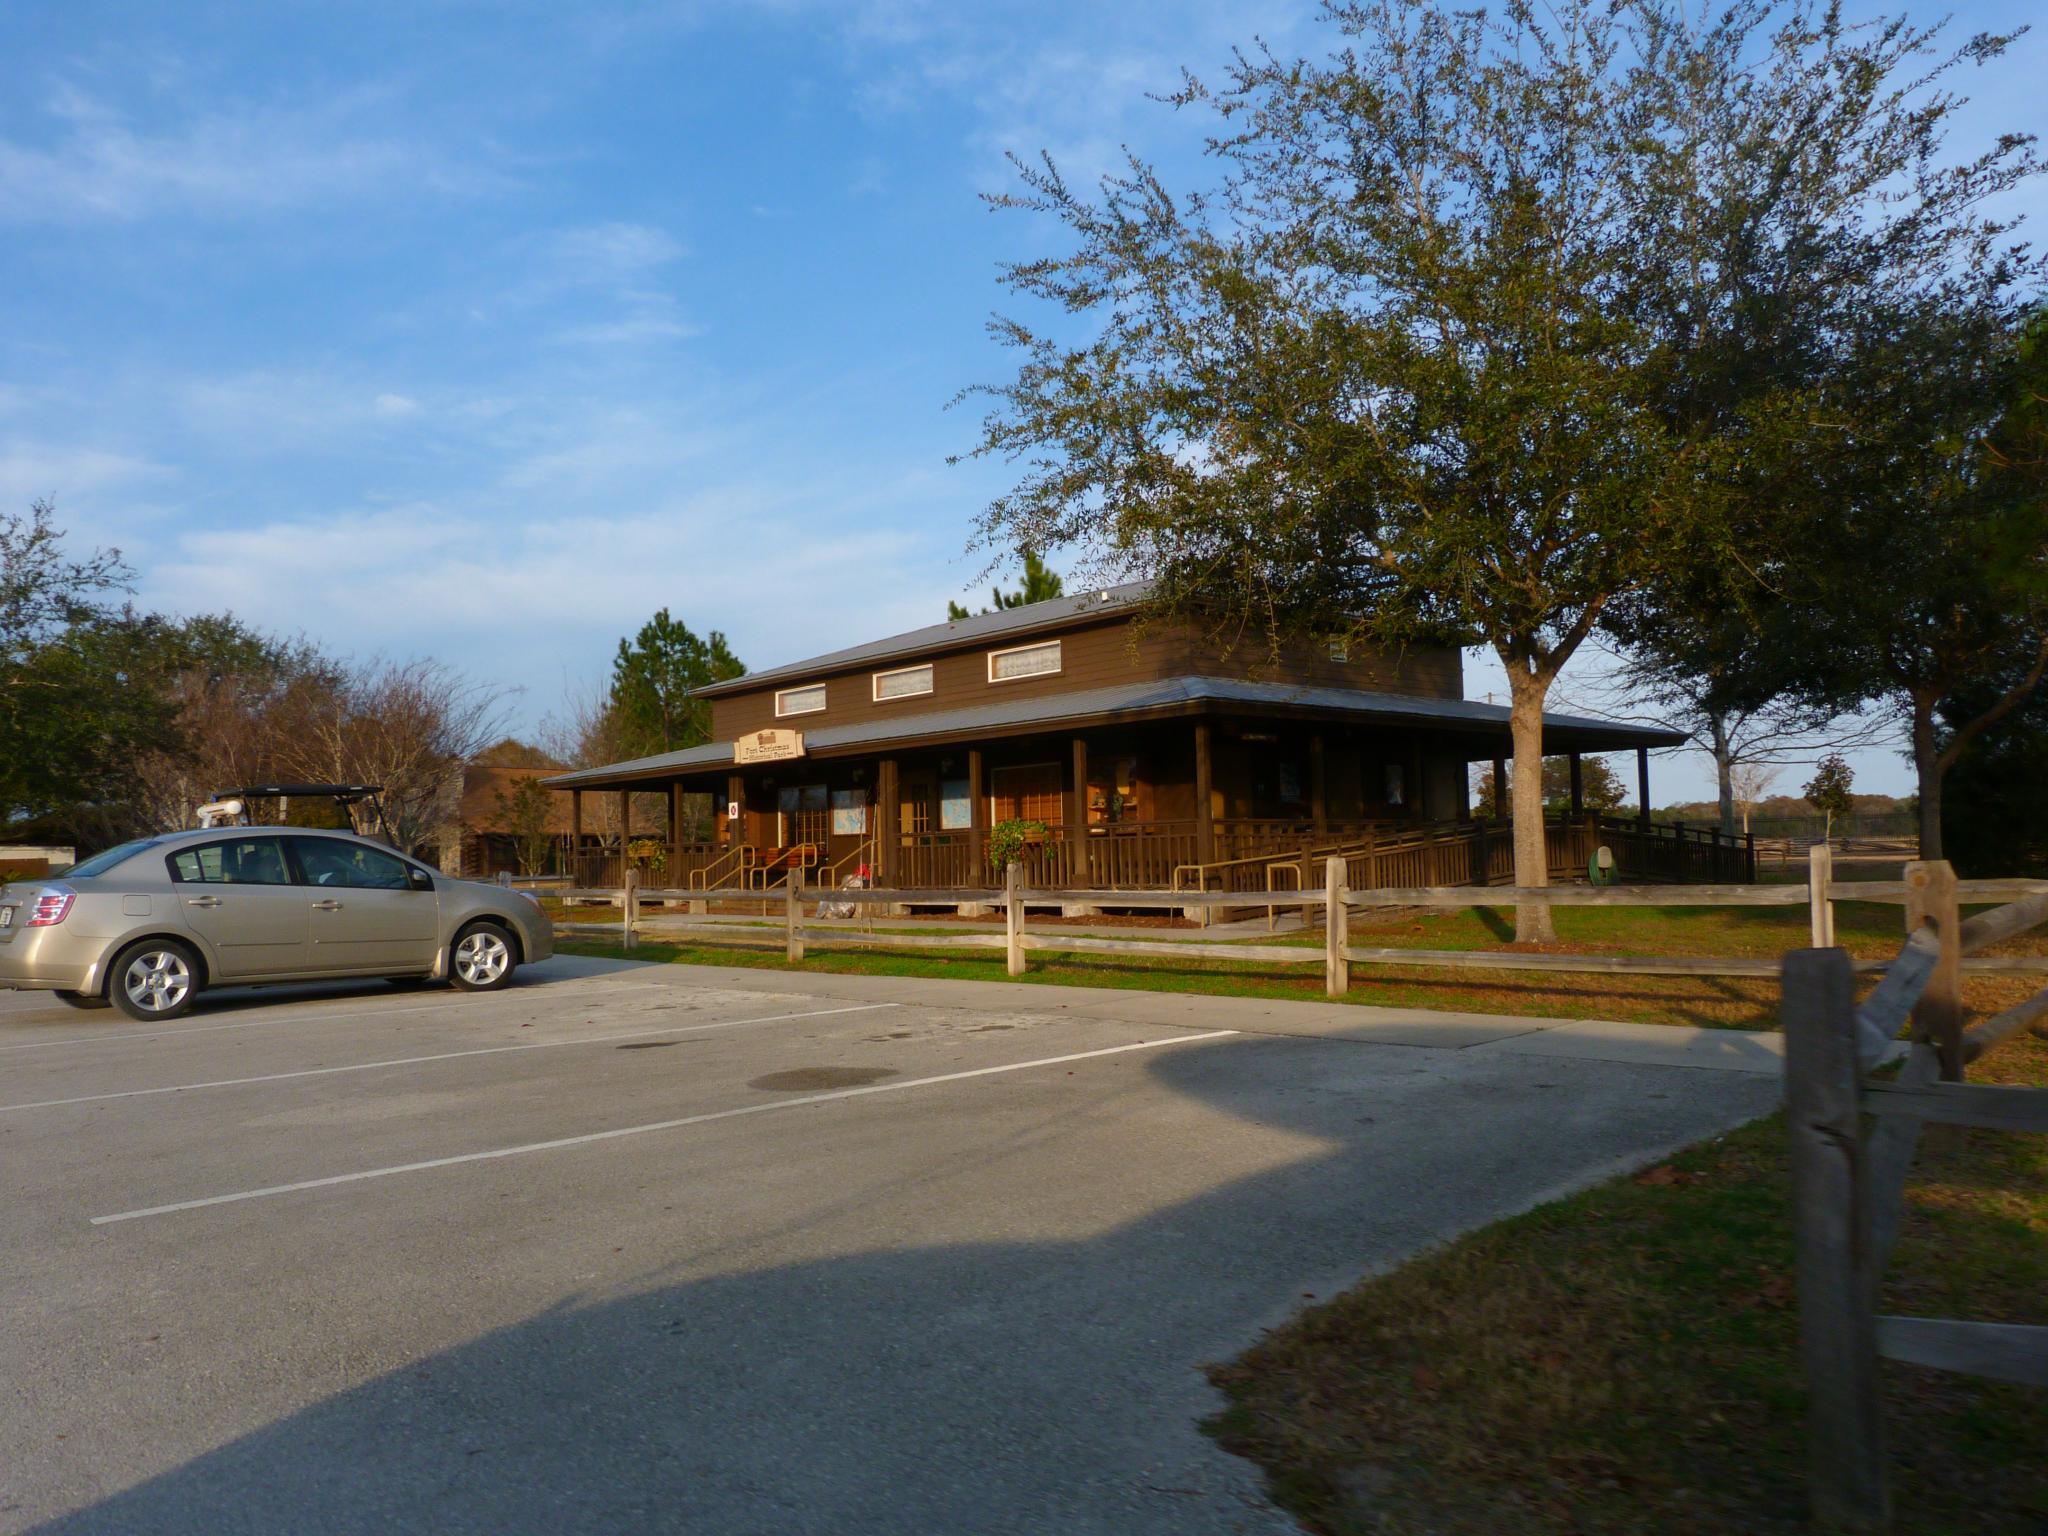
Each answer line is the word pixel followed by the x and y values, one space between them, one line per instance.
pixel 1153 697
pixel 1053 613
pixel 709 755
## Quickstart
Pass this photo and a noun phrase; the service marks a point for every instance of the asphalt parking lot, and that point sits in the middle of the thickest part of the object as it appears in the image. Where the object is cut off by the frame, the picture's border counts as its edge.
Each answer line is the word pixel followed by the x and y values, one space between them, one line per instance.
pixel 635 1248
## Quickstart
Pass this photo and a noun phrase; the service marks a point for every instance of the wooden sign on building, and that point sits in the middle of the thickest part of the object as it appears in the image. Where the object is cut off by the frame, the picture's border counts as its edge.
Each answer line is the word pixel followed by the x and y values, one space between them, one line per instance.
pixel 771 746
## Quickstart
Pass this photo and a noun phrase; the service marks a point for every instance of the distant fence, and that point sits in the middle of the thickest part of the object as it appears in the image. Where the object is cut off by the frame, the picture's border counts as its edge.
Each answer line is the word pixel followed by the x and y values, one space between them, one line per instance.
pixel 1848 1183
pixel 1779 851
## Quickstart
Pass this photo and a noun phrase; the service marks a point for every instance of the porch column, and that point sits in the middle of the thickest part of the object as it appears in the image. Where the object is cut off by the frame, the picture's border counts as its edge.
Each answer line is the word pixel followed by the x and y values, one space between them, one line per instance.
pixel 735 794
pixel 625 819
pixel 1578 787
pixel 1415 778
pixel 1500 787
pixel 977 816
pixel 1077 798
pixel 1643 785
pixel 1318 785
pixel 675 819
pixel 1205 810
pixel 575 822
pixel 889 816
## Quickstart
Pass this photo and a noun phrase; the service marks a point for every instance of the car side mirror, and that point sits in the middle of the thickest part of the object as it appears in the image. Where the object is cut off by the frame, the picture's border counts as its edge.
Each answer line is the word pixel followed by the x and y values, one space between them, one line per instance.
pixel 419 879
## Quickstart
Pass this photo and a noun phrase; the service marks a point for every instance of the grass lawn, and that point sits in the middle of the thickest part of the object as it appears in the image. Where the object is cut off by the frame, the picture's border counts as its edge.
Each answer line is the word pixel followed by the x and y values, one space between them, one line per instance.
pixel 1626 1360
pixel 1866 929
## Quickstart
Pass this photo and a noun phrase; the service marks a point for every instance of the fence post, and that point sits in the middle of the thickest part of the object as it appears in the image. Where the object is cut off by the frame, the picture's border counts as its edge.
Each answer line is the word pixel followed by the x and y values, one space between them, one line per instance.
pixel 1831 1235
pixel 1938 1016
pixel 1336 930
pixel 629 909
pixel 1013 920
pixel 1820 875
pixel 794 916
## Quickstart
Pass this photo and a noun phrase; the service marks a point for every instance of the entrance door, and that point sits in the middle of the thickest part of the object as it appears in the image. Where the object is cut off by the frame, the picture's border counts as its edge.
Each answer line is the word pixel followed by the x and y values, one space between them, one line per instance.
pixel 238 895
pixel 1028 792
pixel 804 815
pixel 368 913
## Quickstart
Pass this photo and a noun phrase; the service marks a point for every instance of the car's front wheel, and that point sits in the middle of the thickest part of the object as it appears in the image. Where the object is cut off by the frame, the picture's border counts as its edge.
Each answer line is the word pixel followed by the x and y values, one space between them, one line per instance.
pixel 483 959
pixel 154 980
pixel 80 999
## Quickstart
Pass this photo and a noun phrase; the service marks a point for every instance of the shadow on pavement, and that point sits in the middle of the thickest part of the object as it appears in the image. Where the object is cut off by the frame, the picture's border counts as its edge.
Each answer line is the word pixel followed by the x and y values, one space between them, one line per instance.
pixel 986 1386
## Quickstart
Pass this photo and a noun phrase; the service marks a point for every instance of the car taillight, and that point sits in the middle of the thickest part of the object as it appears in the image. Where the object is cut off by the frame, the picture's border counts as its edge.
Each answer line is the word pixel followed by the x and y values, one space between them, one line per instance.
pixel 50 908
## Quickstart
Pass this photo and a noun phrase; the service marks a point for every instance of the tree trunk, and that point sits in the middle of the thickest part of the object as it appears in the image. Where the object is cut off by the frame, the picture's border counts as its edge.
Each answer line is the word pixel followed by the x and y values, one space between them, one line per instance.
pixel 1928 769
pixel 1532 858
pixel 1724 770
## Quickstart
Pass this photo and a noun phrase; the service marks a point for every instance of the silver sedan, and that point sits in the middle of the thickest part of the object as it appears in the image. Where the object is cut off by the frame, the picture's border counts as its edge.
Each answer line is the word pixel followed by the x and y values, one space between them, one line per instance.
pixel 149 925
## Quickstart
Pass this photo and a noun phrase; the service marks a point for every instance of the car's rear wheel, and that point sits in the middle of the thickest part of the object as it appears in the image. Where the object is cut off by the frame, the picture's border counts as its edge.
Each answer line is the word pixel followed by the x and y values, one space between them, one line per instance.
pixel 154 980
pixel 483 958
pixel 81 999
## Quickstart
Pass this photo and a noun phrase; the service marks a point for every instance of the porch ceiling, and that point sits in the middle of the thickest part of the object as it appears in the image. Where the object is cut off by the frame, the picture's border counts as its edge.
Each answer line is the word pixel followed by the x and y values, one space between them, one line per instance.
pixel 1484 727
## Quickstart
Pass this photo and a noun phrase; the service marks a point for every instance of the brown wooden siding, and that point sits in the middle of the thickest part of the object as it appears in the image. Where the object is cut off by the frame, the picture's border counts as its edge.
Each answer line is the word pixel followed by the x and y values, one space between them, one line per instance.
pixel 1092 656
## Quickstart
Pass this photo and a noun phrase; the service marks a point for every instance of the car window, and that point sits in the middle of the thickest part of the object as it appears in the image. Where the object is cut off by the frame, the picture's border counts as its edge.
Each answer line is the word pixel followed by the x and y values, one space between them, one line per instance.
pixel 100 863
pixel 239 861
pixel 332 862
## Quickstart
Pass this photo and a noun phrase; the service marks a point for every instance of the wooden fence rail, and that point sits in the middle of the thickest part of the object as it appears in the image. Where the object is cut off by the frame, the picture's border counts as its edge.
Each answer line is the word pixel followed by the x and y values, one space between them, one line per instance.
pixel 1849 1184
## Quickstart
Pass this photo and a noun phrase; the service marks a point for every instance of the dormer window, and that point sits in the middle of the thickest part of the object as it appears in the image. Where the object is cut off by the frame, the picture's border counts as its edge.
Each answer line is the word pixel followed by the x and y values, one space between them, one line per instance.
pixel 903 683
pixel 1021 661
pixel 807 700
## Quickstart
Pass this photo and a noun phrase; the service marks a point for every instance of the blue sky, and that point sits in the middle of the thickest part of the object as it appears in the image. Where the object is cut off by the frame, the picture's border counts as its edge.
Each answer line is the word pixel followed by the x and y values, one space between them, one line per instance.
pixel 481 331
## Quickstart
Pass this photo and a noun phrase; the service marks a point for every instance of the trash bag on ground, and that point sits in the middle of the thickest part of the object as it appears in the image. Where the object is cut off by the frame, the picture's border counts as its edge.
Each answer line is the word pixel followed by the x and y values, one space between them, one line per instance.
pixel 854 882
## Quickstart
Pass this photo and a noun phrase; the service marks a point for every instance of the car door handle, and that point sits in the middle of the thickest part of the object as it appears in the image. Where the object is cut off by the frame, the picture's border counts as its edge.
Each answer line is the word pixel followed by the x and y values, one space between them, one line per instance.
pixel 202 901
pixel 326 906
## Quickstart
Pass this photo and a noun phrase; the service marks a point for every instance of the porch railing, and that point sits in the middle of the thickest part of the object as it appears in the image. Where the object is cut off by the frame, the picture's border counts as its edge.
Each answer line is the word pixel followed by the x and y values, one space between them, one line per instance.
pixel 1252 856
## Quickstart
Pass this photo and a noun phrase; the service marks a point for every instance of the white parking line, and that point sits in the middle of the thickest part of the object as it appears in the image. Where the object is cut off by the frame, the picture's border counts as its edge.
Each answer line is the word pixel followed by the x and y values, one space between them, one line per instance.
pixel 591 1137
pixel 413 1061
pixel 205 1029
pixel 302 1013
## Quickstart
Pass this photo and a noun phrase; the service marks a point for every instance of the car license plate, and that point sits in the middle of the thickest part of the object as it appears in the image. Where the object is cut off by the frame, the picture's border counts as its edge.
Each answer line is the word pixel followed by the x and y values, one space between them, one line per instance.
pixel 6 917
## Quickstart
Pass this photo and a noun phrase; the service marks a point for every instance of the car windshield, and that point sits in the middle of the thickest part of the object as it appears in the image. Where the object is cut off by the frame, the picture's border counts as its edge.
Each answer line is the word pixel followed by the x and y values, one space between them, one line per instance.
pixel 100 863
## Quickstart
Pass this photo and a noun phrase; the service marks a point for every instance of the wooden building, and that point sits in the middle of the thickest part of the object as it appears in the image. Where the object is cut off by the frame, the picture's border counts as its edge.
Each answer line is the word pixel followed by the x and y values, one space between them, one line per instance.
pixel 473 840
pixel 1150 758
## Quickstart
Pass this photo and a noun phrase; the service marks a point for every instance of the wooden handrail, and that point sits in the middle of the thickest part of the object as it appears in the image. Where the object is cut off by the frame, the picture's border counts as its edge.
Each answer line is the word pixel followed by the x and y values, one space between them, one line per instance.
pixel 732 863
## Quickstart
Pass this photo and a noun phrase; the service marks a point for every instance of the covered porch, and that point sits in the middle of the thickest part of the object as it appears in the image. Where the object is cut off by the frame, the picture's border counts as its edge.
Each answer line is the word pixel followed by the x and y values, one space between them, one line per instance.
pixel 1212 798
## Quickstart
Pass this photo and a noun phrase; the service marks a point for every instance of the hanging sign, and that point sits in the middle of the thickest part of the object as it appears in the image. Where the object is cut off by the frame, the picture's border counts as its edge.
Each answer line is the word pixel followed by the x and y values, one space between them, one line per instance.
pixel 767 747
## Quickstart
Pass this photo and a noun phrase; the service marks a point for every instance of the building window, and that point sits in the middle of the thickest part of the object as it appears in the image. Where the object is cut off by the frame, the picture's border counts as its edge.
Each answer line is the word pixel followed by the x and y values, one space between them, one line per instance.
pixel 800 701
pixel 903 683
pixel 1340 648
pixel 1024 661
pixel 1030 792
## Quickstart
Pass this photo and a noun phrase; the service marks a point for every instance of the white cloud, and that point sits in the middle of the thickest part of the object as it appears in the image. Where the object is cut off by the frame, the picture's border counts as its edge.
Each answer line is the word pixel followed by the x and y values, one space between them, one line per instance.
pixel 32 470
pixel 270 411
pixel 610 252
pixel 97 164
pixel 603 283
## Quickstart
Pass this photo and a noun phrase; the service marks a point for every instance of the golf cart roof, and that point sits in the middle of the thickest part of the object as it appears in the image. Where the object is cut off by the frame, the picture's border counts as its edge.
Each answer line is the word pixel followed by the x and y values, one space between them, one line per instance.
pixel 338 791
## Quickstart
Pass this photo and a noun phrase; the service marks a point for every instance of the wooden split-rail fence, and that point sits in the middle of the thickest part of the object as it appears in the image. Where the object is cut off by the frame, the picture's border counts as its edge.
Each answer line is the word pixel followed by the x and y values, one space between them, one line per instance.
pixel 1331 906
pixel 1853 1136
